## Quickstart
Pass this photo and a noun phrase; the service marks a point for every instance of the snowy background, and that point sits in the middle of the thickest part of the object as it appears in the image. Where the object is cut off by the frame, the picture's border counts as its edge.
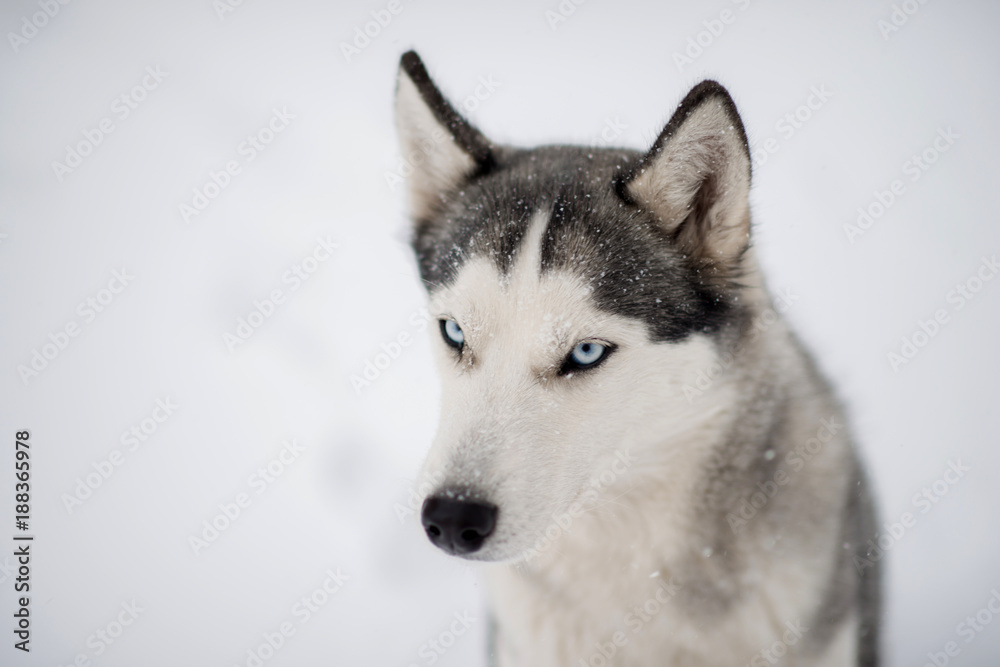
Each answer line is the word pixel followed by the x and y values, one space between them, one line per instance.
pixel 156 99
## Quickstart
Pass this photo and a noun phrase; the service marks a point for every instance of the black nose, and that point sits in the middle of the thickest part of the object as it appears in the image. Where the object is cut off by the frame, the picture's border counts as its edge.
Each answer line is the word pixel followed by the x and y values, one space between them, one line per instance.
pixel 458 526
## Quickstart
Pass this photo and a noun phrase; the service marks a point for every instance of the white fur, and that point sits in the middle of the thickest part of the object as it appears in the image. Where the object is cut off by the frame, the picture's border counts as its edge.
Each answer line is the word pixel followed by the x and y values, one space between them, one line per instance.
pixel 438 162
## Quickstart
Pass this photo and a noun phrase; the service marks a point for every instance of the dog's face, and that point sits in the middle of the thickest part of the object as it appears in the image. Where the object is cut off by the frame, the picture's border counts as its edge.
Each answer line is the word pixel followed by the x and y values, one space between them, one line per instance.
pixel 577 291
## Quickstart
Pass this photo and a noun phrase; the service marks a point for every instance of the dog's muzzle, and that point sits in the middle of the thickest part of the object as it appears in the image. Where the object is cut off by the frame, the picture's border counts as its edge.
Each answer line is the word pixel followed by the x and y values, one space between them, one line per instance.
pixel 457 526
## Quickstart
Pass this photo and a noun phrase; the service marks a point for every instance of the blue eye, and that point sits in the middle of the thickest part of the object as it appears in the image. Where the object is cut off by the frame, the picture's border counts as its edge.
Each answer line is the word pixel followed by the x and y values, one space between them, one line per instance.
pixel 452 334
pixel 585 355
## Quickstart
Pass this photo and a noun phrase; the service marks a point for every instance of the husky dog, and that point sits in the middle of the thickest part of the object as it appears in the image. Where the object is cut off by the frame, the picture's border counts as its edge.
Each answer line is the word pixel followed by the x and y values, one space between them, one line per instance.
pixel 631 437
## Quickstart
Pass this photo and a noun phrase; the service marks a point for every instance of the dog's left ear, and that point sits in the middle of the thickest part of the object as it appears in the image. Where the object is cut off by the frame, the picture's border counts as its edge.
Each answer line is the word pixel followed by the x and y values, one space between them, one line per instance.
pixel 696 178
pixel 443 149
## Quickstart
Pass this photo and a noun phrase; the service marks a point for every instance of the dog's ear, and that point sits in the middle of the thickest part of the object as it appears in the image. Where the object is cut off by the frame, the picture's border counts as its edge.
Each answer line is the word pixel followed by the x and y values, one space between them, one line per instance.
pixel 442 148
pixel 696 178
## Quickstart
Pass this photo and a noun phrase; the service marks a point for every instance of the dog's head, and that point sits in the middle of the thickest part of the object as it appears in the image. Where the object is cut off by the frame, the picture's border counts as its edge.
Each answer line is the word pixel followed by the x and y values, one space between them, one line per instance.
pixel 576 292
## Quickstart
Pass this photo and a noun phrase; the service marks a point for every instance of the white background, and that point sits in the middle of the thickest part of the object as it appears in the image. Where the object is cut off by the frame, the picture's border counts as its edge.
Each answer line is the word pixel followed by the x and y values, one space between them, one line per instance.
pixel 325 174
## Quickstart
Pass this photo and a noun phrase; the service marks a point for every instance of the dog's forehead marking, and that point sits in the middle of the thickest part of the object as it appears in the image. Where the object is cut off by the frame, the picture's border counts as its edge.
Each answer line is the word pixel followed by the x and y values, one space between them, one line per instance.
pixel 525 306
pixel 527 268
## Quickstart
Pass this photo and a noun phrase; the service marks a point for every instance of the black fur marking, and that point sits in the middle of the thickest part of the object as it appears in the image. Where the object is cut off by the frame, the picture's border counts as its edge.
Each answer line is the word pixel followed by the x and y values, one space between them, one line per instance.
pixel 466 136
pixel 631 265
pixel 617 248
pixel 870 586
pixel 488 218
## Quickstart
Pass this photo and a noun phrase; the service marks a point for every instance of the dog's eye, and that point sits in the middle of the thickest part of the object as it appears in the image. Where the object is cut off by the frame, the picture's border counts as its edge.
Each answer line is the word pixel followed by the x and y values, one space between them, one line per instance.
pixel 585 355
pixel 452 334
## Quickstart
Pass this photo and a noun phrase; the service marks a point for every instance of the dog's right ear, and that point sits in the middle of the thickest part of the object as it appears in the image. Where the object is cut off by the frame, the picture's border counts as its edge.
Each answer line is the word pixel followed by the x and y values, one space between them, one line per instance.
pixel 696 179
pixel 443 149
